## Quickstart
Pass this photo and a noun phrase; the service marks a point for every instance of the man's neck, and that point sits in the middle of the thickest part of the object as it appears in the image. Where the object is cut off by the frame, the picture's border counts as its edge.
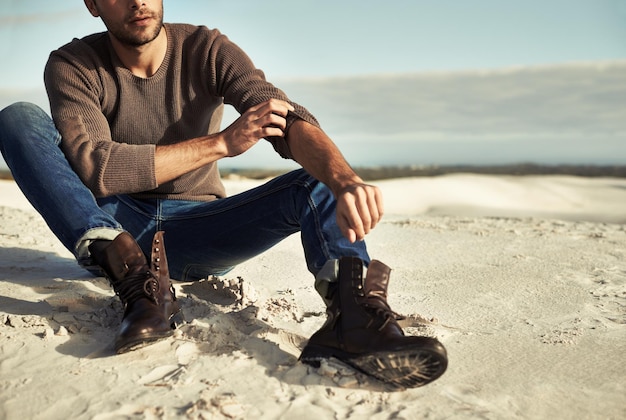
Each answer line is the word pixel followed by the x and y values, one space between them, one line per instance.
pixel 145 60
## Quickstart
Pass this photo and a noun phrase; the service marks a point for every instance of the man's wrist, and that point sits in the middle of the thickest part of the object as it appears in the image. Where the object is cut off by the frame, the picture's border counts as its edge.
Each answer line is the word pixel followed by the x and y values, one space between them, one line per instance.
pixel 342 183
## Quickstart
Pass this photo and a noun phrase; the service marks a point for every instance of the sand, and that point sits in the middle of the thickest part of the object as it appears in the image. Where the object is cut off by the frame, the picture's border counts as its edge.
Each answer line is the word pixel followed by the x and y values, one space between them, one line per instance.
pixel 522 278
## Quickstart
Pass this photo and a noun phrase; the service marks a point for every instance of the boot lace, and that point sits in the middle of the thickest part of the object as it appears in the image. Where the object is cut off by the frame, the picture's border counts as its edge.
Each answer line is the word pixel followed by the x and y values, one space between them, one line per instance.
pixel 380 310
pixel 136 286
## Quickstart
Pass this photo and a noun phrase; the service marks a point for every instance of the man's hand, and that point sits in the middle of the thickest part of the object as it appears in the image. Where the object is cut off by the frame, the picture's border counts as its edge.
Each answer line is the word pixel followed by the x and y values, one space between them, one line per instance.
pixel 359 209
pixel 263 120
pixel 266 119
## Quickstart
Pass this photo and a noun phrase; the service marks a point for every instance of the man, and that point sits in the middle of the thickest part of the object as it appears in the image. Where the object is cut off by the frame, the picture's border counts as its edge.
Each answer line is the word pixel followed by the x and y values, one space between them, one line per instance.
pixel 133 152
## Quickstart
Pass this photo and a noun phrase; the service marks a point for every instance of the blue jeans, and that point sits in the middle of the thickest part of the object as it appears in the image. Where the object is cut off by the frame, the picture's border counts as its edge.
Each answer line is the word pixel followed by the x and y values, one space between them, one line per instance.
pixel 201 238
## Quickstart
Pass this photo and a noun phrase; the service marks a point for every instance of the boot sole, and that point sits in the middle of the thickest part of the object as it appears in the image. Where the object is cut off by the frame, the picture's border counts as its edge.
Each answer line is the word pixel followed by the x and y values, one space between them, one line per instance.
pixel 407 368
pixel 140 341
pixel 176 320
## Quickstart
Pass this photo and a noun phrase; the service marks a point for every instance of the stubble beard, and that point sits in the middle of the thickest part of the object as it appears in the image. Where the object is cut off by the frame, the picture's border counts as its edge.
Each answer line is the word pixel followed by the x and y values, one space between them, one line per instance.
pixel 137 38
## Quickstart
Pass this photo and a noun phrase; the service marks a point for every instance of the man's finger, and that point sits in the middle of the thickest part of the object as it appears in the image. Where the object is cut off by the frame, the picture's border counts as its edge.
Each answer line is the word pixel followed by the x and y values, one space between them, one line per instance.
pixel 273 106
pixel 363 216
pixel 347 225
pixel 376 207
pixel 355 222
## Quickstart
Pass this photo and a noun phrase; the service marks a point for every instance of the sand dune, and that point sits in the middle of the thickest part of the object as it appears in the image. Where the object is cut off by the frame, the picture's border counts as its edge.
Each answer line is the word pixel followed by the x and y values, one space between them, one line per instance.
pixel 522 278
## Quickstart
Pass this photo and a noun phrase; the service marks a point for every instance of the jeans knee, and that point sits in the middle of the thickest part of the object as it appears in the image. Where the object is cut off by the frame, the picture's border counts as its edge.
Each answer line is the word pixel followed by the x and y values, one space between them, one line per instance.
pixel 21 113
pixel 22 119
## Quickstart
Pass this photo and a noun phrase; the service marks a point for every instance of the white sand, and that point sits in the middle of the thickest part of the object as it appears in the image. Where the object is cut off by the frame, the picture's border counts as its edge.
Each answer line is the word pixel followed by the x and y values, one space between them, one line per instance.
pixel 522 279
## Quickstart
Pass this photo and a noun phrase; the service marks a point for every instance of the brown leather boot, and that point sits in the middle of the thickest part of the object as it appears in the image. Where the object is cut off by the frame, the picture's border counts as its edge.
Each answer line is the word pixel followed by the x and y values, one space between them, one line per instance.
pixel 363 331
pixel 146 292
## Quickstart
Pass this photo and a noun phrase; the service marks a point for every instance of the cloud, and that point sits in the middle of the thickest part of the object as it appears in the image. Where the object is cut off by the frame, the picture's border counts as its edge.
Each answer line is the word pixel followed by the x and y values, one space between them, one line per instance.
pixel 561 99
pixel 568 113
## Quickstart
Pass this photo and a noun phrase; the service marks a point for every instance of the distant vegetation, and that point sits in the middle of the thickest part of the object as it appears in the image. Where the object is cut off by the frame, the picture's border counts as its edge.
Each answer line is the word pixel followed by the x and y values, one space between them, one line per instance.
pixel 388 172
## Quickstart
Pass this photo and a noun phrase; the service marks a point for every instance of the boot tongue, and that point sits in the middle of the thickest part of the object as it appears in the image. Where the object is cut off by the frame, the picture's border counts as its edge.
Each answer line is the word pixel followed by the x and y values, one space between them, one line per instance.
pixel 376 285
pixel 377 280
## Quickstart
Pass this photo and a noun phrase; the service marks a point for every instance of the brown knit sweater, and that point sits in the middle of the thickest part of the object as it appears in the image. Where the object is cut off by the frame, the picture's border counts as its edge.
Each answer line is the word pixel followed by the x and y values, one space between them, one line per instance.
pixel 111 120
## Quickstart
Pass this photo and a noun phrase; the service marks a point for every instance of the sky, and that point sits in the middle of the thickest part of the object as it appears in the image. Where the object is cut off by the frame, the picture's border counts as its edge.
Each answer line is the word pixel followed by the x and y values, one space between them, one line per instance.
pixel 318 43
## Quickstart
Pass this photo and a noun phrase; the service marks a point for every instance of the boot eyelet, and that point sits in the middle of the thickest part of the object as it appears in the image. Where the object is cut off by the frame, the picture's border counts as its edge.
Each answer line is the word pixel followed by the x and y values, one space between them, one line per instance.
pixel 151 287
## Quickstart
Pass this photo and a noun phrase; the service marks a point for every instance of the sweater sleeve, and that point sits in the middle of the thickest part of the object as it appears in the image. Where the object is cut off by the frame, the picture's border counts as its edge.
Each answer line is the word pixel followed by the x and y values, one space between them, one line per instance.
pixel 106 167
pixel 242 85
